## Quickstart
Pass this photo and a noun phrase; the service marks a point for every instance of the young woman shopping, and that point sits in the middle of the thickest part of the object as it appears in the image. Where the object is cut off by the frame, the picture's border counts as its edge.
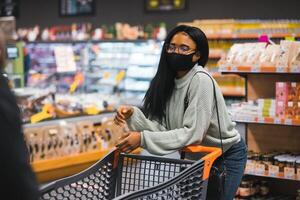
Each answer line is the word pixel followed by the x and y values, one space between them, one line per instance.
pixel 179 108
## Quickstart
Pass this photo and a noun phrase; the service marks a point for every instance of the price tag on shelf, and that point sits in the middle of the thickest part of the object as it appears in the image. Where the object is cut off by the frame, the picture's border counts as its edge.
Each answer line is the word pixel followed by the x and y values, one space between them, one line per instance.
pixel 281 69
pixel 261 120
pixel 273 170
pixel 234 68
pixel 277 121
pixel 289 173
pixel 260 169
pixel 250 167
pixel 295 69
pixel 255 69
pixel 288 121
pixel 298 174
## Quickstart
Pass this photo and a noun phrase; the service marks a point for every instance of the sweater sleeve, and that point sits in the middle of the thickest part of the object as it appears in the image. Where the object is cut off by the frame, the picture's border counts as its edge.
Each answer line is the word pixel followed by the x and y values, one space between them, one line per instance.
pixel 196 121
pixel 139 122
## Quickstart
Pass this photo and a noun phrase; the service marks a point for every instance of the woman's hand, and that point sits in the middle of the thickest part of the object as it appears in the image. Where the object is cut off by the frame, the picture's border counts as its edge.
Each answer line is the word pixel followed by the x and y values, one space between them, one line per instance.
pixel 129 142
pixel 123 113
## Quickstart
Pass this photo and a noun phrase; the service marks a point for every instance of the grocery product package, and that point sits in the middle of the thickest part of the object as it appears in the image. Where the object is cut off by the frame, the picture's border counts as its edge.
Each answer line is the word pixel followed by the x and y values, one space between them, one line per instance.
pixel 269 57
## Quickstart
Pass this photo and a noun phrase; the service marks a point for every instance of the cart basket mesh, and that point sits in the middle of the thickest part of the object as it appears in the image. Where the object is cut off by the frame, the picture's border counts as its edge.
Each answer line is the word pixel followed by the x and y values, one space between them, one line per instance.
pixel 126 176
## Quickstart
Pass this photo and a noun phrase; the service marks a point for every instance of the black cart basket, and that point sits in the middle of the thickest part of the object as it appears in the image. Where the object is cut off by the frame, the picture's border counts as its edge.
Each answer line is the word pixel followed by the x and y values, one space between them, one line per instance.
pixel 128 176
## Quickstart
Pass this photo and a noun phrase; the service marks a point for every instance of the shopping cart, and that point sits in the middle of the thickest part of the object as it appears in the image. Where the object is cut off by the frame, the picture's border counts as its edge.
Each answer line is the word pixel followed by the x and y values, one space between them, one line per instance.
pixel 126 176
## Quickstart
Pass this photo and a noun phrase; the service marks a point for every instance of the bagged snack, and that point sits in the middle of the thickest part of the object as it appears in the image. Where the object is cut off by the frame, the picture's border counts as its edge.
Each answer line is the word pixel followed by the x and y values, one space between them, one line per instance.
pixel 234 50
pixel 70 138
pixel 242 54
pixel 34 141
pixel 295 57
pixel 284 54
pixel 51 142
pixel 269 56
pixel 254 53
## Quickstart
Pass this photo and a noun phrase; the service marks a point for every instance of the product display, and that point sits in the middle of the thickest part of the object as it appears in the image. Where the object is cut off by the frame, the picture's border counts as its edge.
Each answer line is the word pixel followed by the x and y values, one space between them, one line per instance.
pixel 260 57
pixel 70 138
pixel 231 28
pixel 84 32
pixel 42 105
pixel 253 189
pixel 285 106
pixel 274 164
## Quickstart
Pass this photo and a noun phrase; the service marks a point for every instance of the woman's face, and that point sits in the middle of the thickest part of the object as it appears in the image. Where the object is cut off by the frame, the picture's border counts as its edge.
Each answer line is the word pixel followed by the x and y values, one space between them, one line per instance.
pixel 181 43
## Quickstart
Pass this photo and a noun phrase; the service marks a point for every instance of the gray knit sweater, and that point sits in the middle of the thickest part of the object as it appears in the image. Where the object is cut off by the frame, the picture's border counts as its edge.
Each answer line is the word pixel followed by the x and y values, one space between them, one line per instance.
pixel 196 125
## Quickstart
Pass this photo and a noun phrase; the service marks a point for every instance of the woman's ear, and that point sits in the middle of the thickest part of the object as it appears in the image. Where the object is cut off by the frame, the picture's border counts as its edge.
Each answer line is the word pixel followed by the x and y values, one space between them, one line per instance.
pixel 196 56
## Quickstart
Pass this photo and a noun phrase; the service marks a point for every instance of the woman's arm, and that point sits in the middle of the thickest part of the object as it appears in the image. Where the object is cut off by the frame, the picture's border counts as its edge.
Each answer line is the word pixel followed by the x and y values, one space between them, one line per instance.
pixel 139 122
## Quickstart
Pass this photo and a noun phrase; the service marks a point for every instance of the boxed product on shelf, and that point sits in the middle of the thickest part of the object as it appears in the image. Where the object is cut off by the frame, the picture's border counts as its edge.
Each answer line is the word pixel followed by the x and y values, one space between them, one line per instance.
pixel 248 111
pixel 287 99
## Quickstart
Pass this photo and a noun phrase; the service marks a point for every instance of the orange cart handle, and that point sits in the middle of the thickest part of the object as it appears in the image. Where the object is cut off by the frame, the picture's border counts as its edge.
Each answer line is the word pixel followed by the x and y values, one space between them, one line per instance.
pixel 213 154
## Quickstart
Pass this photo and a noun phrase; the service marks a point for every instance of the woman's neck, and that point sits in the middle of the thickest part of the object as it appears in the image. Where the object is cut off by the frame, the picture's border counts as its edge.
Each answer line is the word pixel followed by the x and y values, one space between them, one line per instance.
pixel 181 74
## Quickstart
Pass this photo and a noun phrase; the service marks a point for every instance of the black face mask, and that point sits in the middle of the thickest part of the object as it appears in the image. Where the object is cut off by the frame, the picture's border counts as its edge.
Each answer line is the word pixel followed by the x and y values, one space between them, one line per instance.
pixel 180 62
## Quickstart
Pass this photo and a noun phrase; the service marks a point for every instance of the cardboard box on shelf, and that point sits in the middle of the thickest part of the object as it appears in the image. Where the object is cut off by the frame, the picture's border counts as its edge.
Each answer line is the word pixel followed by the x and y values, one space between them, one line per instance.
pixel 290 111
pixel 282 91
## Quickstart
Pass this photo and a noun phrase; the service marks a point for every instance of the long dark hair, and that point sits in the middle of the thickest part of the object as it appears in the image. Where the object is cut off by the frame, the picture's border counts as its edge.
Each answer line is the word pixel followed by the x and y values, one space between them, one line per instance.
pixel 162 85
pixel 2 51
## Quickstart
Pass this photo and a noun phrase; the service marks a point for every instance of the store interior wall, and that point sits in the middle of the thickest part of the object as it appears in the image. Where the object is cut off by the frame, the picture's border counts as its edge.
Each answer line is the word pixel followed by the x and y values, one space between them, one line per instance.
pixel 46 12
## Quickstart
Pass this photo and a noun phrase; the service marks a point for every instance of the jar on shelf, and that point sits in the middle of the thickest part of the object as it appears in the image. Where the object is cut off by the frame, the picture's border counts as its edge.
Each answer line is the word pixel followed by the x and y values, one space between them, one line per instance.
pixel 280 162
pixel 267 160
pixel 256 157
pixel 264 188
pixel 291 162
pixel 297 165
pixel 245 188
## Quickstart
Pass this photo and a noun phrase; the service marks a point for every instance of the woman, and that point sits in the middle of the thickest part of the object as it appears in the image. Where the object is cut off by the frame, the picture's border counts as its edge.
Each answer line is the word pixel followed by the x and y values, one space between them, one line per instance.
pixel 168 124
pixel 17 179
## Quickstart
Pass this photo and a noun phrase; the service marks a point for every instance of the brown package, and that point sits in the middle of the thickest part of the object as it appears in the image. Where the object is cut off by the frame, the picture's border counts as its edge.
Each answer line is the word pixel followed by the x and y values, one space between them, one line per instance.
pixel 34 141
pixel 89 140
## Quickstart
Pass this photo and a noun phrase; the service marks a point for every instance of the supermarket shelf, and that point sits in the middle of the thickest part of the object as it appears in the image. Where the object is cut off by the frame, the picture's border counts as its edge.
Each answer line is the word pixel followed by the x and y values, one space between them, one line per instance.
pixel 250 36
pixel 258 70
pixel 99 117
pixel 48 170
pixel 280 176
pixel 270 120
pixel 216 53
pixel 220 75
pixel 91 41
pixel 233 91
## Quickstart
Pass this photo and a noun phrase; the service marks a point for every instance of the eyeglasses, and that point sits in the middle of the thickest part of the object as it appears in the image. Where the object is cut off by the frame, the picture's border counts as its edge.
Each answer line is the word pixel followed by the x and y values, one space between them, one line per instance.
pixel 182 49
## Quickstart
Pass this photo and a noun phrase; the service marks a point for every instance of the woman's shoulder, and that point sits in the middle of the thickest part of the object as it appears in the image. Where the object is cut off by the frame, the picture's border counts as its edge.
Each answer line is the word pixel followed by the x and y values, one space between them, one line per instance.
pixel 201 77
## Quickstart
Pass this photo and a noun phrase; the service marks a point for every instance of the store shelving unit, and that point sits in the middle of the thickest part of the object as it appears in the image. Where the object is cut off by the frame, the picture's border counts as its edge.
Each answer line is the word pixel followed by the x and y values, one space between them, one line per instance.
pixel 268 134
pixel 279 176
pixel 270 121
pixel 52 169
pixel 250 36
pixel 48 170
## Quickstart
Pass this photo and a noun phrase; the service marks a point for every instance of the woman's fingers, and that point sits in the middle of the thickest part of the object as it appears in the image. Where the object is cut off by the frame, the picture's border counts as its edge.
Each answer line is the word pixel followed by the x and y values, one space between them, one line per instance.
pixel 118 120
